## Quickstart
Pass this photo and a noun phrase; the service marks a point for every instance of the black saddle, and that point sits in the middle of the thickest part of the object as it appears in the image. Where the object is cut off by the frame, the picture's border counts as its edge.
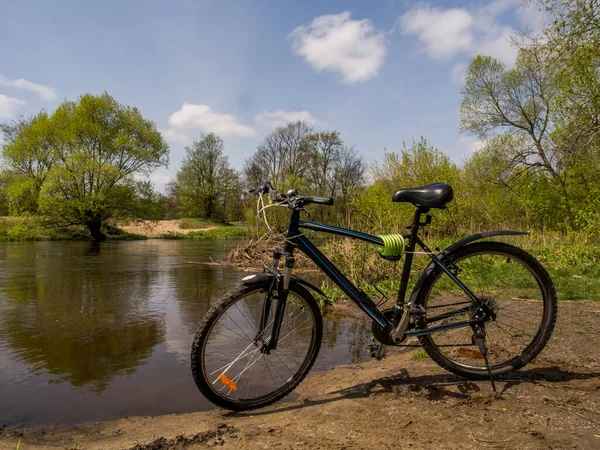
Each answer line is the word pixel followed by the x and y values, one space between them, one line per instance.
pixel 434 195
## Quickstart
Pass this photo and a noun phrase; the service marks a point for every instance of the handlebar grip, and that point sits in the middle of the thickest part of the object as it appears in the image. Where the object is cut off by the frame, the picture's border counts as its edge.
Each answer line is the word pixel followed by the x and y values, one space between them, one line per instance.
pixel 318 200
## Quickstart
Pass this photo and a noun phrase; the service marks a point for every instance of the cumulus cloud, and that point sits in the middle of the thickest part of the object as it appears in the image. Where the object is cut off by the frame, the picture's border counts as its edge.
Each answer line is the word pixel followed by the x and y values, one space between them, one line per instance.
pixel 278 118
pixel 9 106
pixel 355 49
pixel 447 33
pixel 443 33
pixel 44 92
pixel 193 118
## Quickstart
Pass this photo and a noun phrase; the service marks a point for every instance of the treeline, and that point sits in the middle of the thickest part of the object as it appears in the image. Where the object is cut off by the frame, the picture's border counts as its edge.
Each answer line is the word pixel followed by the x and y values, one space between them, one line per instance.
pixel 294 155
pixel 538 168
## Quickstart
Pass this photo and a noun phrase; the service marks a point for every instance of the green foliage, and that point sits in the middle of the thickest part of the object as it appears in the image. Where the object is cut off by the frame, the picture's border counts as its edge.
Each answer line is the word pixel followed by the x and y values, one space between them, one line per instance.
pixel 419 354
pixel 33 228
pixel 77 165
pixel 416 165
pixel 206 186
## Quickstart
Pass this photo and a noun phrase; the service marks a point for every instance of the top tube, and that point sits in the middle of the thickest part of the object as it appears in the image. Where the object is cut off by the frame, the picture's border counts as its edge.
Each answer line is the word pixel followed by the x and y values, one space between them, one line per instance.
pixel 341 232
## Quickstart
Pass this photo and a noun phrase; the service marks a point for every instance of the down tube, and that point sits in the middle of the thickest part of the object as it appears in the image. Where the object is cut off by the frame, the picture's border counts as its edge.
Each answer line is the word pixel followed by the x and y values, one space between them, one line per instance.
pixel 357 296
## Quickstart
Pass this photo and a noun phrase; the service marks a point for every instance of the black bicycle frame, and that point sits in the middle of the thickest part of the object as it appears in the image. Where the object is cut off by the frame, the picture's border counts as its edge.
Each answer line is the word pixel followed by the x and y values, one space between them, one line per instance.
pixel 296 239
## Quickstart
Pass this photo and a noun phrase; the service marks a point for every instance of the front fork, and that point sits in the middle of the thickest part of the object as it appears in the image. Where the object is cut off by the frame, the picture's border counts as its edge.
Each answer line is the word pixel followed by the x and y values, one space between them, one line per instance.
pixel 280 285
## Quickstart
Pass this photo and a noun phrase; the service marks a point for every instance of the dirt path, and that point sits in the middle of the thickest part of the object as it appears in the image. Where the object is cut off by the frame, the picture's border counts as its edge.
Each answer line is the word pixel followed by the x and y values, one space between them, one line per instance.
pixel 396 403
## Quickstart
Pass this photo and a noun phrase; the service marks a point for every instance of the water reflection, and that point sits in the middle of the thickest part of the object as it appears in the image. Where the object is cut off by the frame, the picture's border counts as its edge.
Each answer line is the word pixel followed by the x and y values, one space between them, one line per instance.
pixel 83 323
pixel 92 333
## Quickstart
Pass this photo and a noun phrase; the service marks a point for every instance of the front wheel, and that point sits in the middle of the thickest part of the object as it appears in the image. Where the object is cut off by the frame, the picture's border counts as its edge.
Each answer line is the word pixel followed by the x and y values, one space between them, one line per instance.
pixel 516 291
pixel 230 364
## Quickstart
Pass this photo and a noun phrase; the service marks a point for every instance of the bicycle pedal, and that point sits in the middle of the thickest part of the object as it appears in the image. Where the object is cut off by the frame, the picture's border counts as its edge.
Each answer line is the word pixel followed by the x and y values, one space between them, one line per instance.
pixel 373 348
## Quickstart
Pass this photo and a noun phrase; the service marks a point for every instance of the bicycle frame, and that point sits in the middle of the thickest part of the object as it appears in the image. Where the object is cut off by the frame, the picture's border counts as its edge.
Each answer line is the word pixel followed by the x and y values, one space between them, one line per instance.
pixel 296 239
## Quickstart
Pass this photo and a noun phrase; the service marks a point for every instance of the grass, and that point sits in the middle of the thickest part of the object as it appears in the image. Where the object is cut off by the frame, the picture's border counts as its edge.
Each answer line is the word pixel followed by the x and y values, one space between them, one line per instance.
pixel 572 263
pixel 19 229
pixel 419 354
pixel 225 232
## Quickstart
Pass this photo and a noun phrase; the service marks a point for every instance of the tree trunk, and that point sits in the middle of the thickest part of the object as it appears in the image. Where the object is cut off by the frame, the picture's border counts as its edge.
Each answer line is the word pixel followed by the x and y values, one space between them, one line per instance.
pixel 95 231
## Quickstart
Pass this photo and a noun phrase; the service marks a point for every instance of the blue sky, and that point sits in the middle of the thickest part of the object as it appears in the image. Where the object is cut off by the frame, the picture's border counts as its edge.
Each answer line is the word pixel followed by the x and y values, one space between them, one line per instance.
pixel 380 72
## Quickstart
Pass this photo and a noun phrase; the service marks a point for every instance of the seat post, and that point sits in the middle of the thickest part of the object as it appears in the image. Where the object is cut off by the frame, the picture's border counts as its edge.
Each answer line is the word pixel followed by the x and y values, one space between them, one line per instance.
pixel 410 248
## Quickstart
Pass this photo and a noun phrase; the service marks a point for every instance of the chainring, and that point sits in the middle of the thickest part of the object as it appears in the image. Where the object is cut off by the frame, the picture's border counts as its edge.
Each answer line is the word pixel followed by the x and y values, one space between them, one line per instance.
pixel 379 333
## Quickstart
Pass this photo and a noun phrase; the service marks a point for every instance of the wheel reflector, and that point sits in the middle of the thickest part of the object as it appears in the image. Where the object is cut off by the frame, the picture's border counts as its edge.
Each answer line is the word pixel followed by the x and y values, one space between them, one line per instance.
pixel 228 382
pixel 470 353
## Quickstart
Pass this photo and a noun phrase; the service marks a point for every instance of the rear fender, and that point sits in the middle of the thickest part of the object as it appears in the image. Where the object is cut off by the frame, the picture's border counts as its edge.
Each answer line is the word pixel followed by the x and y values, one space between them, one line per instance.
pixel 485 234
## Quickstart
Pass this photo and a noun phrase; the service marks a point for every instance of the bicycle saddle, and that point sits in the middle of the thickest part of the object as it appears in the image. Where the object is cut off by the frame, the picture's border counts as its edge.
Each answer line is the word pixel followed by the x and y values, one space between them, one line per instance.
pixel 434 195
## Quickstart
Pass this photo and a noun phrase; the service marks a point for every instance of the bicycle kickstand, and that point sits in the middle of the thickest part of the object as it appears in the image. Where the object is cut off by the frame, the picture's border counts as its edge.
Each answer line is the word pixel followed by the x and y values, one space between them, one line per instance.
pixel 480 336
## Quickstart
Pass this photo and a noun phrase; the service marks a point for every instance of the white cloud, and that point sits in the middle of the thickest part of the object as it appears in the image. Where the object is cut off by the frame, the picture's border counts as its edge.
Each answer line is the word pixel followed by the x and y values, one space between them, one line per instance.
pixel 476 146
pixel 161 177
pixel 44 92
pixel 193 118
pixel 447 33
pixel 471 144
pixel 9 106
pixel 458 73
pixel 278 118
pixel 336 43
pixel 533 16
pixel 499 45
pixel 442 32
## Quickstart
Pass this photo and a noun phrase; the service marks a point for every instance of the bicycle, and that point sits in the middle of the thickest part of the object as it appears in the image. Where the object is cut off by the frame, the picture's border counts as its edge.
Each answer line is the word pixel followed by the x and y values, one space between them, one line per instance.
pixel 480 309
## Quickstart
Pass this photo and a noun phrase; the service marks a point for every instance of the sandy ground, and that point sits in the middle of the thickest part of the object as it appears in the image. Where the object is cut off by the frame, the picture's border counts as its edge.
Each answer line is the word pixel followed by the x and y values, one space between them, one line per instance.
pixel 153 228
pixel 554 403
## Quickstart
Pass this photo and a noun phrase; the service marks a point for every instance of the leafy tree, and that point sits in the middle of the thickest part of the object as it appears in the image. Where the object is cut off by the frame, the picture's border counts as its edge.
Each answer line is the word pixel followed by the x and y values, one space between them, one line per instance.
pixel 416 165
pixel 205 180
pixel 27 157
pixel 148 202
pixel 84 157
pixel 327 148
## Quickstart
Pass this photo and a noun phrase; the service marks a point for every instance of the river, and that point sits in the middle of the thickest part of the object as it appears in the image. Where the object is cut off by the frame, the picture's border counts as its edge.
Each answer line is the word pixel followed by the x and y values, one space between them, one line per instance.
pixel 94 332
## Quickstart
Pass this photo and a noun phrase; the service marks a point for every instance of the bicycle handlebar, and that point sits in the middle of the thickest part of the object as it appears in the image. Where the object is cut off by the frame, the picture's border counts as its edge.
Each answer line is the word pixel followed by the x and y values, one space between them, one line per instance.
pixel 267 188
pixel 318 200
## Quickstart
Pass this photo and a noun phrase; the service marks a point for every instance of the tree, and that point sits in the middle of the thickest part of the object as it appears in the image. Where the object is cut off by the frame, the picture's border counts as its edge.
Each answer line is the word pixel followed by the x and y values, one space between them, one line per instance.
pixel 520 104
pixel 27 157
pixel 284 156
pixel 327 151
pixel 205 179
pixel 88 152
pixel 349 173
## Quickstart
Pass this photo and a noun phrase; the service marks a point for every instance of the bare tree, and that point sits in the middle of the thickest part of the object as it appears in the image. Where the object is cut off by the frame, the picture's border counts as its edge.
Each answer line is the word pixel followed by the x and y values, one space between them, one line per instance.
pixel 283 155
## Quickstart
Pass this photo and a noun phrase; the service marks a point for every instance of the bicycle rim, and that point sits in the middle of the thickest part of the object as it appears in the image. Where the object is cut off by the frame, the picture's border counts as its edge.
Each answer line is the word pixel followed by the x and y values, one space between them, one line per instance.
pixel 233 364
pixel 524 308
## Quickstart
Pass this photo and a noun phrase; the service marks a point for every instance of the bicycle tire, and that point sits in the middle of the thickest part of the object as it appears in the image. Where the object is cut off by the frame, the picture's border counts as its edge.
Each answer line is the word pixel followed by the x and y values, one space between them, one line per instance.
pixel 453 359
pixel 205 382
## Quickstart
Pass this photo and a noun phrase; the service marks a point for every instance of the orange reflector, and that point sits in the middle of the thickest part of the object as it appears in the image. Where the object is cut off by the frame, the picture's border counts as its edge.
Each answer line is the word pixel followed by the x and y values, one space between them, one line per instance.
pixel 228 382
pixel 470 353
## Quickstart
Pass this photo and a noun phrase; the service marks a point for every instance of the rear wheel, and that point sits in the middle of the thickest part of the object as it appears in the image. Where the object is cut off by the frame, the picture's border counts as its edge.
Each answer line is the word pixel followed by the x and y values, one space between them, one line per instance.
pixel 229 362
pixel 519 298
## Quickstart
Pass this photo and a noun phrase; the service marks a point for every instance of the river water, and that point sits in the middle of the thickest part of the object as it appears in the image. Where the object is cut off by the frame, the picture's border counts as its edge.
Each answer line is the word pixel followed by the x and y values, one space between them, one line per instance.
pixel 97 332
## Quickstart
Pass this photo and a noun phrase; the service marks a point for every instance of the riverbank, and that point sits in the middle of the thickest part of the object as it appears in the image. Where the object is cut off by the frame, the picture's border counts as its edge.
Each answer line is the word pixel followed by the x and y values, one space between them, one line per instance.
pixel 19 229
pixel 403 401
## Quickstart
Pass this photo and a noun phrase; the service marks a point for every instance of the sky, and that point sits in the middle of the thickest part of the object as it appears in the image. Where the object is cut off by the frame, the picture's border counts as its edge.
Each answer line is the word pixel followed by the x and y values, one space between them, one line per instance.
pixel 381 72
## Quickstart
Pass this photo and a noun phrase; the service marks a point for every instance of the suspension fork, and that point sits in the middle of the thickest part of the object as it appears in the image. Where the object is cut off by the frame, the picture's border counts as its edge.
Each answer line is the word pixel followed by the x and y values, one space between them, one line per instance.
pixel 283 289
pixel 266 309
